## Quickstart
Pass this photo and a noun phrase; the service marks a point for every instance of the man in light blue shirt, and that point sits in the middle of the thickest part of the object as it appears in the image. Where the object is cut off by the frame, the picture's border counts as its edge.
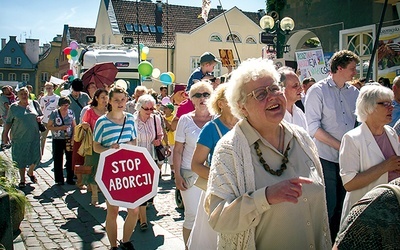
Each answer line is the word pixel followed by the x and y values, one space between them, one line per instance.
pixel 330 105
pixel 396 101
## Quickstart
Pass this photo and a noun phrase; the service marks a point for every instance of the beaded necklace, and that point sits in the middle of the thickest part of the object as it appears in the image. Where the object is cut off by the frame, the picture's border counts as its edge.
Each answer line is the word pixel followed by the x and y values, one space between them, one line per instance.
pixel 266 166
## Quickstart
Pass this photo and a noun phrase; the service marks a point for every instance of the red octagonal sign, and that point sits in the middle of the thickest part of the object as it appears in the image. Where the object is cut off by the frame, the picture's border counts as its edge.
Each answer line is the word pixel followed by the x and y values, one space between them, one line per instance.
pixel 127 176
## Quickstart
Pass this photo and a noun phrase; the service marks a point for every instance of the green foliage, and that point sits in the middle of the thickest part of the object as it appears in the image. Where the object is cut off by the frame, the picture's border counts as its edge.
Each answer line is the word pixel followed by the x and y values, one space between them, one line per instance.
pixel 312 43
pixel 9 181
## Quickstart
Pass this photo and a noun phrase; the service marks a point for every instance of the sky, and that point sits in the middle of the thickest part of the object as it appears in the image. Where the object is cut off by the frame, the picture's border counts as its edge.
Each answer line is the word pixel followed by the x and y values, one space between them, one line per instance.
pixel 44 19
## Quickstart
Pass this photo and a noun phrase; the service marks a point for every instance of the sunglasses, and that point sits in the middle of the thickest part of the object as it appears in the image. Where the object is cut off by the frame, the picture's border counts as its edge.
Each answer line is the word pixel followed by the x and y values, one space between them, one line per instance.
pixel 199 95
pixel 148 109
pixel 385 104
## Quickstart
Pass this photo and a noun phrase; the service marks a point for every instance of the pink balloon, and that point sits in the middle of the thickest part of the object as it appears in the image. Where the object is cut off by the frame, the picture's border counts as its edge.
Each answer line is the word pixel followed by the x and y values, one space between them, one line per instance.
pixel 73 45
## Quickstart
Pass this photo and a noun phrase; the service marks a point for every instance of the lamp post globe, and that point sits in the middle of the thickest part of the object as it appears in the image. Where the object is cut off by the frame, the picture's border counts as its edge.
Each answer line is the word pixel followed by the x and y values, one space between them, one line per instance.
pixel 267 22
pixel 287 24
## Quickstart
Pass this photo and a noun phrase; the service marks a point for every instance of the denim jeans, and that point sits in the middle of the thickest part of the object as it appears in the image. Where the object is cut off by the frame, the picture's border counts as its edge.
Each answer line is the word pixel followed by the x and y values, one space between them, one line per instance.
pixel 335 194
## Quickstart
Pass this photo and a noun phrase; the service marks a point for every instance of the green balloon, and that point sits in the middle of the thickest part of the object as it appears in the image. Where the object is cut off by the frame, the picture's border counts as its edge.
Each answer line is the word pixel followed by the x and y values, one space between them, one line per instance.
pixel 145 68
pixel 74 53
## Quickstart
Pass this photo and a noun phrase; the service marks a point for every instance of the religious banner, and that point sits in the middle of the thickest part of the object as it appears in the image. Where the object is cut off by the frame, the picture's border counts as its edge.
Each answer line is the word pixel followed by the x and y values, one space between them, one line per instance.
pixel 311 63
pixel 226 56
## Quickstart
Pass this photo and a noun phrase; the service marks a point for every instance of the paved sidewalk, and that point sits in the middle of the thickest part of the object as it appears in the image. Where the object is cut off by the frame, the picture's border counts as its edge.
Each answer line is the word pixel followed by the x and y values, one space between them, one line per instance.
pixel 61 217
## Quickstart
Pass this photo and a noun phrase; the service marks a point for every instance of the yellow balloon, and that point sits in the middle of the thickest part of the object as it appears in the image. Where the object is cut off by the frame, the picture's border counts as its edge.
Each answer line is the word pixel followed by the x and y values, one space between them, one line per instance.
pixel 143 56
pixel 172 76
pixel 68 57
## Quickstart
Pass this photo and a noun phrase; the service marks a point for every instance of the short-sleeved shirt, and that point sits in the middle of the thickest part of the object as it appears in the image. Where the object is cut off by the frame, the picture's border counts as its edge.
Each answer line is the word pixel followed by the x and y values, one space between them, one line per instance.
pixel 48 103
pixel 107 132
pixel 197 74
pixel 3 100
pixel 90 117
pixel 187 132
pixel 78 104
pixel 24 127
pixel 209 135
pixel 58 122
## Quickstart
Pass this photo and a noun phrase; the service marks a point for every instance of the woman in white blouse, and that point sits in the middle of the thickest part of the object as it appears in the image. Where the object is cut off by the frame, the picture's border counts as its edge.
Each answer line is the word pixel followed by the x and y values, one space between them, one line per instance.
pixel 368 154
pixel 186 134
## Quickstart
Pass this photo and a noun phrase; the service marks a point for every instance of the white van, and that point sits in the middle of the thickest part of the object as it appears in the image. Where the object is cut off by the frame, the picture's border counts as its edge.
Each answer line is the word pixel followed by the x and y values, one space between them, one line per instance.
pixel 125 60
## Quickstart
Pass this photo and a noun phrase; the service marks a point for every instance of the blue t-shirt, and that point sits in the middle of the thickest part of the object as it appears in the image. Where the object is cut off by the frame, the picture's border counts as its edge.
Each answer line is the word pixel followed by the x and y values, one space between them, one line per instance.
pixel 395 113
pixel 197 74
pixel 58 122
pixel 209 135
pixel 106 132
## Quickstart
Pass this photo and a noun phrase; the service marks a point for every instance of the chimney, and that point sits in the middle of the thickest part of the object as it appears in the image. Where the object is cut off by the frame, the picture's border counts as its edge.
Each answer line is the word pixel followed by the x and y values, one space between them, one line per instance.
pixel 219 7
pixel 3 43
pixel 32 50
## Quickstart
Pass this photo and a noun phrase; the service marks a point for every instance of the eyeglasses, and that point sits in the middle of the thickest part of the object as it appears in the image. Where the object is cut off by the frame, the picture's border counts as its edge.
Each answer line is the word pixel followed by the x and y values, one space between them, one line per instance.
pixel 385 104
pixel 199 95
pixel 261 94
pixel 148 109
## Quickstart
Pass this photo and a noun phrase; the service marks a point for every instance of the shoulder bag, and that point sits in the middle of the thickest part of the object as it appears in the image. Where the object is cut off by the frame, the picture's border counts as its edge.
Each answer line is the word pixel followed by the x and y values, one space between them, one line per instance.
pixel 42 128
pixel 160 149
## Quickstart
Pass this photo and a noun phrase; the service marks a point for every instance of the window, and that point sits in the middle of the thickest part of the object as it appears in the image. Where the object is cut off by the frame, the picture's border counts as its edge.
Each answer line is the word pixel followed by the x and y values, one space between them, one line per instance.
pixel 152 29
pixel 136 28
pixel 195 63
pixel 7 60
pixel 25 77
pixel 12 77
pixel 251 40
pixel 215 38
pixel 129 27
pixel 44 76
pixel 56 63
pixel 145 28
pixel 160 29
pixel 233 37
pixel 1 76
pixel 18 60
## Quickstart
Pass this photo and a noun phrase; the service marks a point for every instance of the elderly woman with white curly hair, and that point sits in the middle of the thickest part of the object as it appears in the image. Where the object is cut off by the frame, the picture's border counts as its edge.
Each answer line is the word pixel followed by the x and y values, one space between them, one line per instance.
pixel 149 133
pixel 368 154
pixel 265 188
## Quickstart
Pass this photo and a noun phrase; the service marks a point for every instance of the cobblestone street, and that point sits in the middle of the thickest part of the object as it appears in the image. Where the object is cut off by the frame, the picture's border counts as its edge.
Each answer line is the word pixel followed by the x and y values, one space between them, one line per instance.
pixel 61 217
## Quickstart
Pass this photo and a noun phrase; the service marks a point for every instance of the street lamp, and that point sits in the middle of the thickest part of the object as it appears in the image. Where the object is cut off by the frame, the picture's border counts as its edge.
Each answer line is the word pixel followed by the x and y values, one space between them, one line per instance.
pixel 274 33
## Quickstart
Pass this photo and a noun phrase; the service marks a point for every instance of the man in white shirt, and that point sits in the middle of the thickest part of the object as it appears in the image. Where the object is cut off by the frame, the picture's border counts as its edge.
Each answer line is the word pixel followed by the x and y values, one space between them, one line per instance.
pixel 48 103
pixel 292 89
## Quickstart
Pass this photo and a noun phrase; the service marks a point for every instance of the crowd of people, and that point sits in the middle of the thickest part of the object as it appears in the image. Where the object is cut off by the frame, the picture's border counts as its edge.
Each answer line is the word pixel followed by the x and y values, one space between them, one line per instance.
pixel 262 161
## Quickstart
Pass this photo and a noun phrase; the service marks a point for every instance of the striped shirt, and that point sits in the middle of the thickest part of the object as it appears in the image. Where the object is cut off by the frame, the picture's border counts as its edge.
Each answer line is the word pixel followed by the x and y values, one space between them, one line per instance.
pixel 106 132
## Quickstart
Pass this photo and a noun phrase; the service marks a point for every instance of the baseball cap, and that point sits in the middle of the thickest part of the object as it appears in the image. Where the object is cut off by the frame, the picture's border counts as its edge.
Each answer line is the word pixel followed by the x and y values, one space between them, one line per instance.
pixel 208 57
pixel 170 106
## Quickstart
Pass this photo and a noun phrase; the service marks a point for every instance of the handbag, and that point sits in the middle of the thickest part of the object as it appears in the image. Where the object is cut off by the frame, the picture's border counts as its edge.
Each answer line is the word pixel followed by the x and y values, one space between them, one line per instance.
pixel 42 127
pixel 68 141
pixel 160 149
pixel 81 169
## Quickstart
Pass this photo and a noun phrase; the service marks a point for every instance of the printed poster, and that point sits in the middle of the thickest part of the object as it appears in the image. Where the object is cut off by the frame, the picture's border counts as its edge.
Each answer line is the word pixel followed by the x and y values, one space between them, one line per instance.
pixel 311 63
pixel 389 52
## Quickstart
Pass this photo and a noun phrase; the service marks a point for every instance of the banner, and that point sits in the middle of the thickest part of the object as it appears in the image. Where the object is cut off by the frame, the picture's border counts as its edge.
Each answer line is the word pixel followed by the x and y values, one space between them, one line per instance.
pixel 311 63
pixel 389 52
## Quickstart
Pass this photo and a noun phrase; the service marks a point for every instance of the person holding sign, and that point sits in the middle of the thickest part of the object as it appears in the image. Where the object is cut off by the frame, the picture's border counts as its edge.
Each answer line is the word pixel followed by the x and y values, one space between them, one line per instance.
pixel 114 128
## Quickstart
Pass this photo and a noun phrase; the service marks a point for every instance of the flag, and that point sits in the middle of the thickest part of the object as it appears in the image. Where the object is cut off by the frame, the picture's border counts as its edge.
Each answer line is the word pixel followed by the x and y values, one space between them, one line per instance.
pixel 205 9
